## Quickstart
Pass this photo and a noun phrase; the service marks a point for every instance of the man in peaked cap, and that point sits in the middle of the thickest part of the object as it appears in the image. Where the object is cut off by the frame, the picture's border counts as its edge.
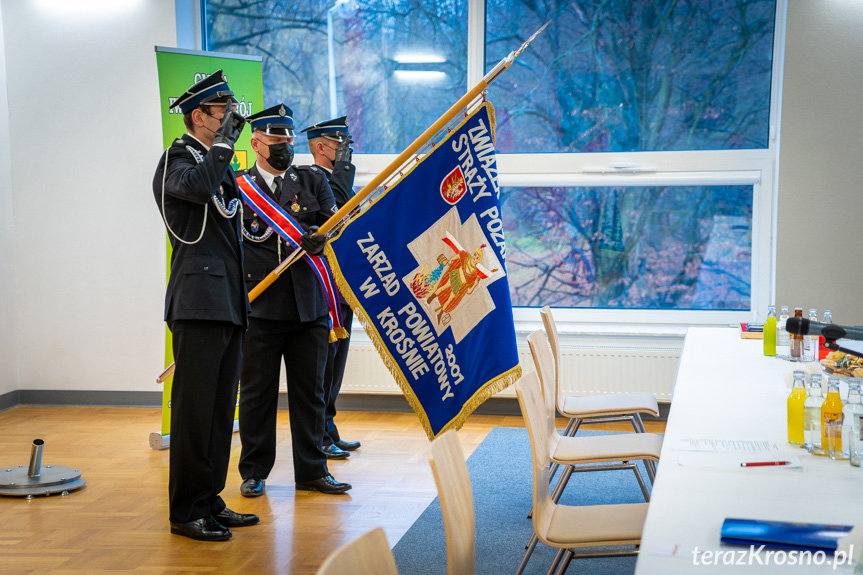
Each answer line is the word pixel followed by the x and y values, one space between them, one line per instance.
pixel 289 321
pixel 206 306
pixel 329 143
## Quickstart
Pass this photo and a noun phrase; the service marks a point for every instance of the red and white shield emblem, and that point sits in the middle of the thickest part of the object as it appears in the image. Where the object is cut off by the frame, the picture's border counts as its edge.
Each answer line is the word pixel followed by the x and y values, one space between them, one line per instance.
pixel 453 186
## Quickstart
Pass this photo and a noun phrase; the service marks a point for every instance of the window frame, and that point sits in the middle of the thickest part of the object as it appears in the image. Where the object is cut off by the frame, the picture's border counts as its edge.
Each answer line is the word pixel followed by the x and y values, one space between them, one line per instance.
pixel 757 167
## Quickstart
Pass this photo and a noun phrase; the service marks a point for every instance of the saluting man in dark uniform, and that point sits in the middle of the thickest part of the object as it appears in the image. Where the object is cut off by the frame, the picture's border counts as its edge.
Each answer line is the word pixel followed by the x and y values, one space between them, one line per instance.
pixel 330 143
pixel 206 306
pixel 289 320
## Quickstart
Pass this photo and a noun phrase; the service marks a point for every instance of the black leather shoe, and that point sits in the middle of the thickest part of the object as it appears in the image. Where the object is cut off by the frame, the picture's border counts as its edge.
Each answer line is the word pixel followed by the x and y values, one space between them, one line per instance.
pixel 230 518
pixel 325 484
pixel 204 529
pixel 333 452
pixel 252 487
pixel 348 445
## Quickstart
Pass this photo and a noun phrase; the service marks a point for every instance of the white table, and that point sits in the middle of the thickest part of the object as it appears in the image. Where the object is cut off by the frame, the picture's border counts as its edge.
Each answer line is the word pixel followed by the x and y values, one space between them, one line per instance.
pixel 726 388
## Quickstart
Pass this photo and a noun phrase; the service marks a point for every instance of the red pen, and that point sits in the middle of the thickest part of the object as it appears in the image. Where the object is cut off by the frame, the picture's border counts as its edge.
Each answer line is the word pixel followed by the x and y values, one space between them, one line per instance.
pixel 764 463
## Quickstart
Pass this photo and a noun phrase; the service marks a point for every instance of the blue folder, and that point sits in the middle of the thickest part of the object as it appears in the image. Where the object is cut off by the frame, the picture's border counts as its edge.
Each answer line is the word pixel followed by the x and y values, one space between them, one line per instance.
pixel 783 534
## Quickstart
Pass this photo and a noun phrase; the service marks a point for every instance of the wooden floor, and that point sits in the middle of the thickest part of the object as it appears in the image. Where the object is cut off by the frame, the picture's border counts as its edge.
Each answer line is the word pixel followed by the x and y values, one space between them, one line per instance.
pixel 119 521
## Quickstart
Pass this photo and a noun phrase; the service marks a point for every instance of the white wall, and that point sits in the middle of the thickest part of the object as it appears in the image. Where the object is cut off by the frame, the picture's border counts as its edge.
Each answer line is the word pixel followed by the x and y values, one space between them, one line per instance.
pixel 86 137
pixel 8 323
pixel 81 300
pixel 820 231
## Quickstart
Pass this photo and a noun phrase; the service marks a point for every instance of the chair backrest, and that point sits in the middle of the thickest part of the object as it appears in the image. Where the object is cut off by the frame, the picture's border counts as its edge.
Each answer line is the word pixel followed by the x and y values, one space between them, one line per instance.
pixel 368 554
pixel 544 368
pixel 456 500
pixel 532 405
pixel 554 341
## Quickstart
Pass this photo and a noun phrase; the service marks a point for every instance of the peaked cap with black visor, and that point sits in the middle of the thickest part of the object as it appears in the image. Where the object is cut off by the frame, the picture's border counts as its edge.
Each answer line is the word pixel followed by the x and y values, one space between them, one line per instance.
pixel 213 89
pixel 275 121
pixel 335 129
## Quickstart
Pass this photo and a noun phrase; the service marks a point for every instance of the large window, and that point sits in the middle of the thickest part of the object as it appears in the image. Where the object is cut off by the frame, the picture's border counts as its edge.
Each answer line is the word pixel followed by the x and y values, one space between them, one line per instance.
pixel 636 140
pixel 634 76
pixel 683 247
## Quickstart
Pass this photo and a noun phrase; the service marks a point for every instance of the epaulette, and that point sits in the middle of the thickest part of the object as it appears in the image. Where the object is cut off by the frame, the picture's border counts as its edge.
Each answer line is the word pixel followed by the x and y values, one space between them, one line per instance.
pixel 313 169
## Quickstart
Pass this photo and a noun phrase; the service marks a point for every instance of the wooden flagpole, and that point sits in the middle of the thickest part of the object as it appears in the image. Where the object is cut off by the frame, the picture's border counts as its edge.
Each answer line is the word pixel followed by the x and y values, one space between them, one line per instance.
pixel 360 196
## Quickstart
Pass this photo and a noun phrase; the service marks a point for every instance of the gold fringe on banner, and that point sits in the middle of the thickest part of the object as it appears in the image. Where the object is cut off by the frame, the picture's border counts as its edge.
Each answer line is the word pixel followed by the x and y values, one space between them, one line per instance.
pixel 485 391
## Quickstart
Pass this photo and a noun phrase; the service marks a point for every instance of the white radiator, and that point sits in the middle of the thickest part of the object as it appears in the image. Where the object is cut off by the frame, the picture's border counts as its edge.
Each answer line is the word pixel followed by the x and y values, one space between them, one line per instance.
pixel 586 370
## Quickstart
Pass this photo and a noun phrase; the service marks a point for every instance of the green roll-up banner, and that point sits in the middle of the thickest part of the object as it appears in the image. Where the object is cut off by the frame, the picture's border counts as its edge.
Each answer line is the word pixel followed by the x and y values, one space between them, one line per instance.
pixel 179 69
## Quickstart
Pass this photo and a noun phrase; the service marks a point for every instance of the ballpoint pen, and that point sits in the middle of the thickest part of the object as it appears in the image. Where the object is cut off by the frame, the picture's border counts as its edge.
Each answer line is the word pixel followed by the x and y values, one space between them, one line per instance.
pixel 764 463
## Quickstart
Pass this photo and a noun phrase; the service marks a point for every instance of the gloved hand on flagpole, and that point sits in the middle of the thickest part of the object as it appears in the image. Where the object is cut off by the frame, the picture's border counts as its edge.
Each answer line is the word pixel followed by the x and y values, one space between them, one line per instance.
pixel 313 243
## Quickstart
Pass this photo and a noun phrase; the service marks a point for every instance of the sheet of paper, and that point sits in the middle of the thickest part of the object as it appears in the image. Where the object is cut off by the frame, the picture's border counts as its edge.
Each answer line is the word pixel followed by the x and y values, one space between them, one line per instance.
pixel 732 461
pixel 720 445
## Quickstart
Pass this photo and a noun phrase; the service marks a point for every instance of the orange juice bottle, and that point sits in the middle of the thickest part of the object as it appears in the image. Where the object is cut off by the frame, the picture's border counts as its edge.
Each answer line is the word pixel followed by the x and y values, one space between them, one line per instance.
pixel 795 409
pixel 831 412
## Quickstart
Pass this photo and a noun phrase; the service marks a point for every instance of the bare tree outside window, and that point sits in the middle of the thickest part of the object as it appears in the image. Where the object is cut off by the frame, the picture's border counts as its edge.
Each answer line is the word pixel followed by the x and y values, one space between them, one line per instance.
pixel 605 76
pixel 633 76
pixel 393 67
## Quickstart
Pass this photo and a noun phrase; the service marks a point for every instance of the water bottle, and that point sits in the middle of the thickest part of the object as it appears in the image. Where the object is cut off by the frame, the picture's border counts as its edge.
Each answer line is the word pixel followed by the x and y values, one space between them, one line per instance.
pixel 783 338
pixel 851 414
pixel 812 416
pixel 810 343
pixel 823 351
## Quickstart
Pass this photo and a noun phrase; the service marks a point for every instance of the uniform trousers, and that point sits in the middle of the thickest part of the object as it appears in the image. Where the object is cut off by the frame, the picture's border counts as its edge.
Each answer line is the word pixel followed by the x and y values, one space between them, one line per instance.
pixel 303 346
pixel 336 361
pixel 208 356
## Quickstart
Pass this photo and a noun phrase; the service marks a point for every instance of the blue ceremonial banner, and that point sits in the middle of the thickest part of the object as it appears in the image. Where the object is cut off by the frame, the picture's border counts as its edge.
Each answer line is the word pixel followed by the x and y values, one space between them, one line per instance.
pixel 424 268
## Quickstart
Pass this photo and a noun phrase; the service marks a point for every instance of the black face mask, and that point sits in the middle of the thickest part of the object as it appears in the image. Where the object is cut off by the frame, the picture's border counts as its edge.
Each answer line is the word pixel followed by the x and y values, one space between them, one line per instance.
pixel 281 156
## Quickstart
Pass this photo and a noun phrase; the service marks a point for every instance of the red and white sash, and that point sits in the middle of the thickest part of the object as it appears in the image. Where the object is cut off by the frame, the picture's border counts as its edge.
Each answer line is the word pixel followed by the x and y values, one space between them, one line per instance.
pixel 291 231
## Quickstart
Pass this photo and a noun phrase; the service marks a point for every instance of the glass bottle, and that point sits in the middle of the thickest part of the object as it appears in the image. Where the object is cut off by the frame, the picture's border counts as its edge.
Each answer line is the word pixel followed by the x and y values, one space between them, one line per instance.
pixel 796 340
pixel 851 414
pixel 783 340
pixel 812 416
pixel 823 351
pixel 795 409
pixel 831 414
pixel 810 342
pixel 856 439
pixel 770 331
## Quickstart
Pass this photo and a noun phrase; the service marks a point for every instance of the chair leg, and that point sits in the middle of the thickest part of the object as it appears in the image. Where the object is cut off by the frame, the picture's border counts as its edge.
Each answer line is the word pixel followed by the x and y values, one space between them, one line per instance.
pixel 638 424
pixel 564 479
pixel 641 484
pixel 531 546
pixel 557 560
pixel 564 565
pixel 650 465
pixel 572 427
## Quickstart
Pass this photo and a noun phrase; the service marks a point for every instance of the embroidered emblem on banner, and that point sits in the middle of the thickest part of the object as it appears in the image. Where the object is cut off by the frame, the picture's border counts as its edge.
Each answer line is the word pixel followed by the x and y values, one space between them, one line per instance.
pixel 456 268
pixel 453 186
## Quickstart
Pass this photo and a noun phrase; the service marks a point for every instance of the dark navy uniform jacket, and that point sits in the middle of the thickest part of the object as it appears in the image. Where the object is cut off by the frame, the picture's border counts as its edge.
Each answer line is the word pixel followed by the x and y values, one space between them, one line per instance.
pixel 297 294
pixel 206 281
pixel 341 181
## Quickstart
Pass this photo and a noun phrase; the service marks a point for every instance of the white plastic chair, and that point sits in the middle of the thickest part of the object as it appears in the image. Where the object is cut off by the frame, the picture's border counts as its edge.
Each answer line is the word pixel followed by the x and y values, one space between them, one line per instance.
pixel 581 454
pixel 590 409
pixel 368 554
pixel 456 500
pixel 594 408
pixel 573 530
